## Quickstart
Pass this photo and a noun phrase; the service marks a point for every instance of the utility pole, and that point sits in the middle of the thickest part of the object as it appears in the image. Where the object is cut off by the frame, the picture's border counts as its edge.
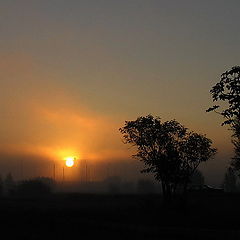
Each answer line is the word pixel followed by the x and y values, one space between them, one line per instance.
pixel 86 170
pixel 63 176
pixel 54 172
pixel 21 169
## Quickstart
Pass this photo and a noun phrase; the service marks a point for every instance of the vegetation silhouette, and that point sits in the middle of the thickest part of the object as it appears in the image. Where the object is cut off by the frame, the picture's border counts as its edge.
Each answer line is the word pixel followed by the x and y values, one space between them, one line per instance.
pixel 230 181
pixel 168 150
pixel 1 186
pixel 9 185
pixel 37 187
pixel 227 90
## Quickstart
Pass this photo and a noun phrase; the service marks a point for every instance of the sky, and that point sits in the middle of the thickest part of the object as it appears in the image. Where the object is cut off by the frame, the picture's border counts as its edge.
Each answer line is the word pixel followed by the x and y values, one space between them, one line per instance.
pixel 73 71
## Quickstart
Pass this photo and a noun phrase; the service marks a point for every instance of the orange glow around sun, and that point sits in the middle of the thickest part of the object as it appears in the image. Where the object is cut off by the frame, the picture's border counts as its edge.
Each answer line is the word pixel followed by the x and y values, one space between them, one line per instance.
pixel 70 161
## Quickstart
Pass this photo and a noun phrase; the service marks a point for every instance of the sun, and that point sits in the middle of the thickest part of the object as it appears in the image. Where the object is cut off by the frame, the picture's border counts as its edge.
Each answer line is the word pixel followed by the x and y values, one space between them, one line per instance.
pixel 69 161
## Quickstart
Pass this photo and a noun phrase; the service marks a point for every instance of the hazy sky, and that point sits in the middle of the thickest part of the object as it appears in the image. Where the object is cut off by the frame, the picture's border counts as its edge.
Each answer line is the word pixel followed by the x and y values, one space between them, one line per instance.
pixel 73 71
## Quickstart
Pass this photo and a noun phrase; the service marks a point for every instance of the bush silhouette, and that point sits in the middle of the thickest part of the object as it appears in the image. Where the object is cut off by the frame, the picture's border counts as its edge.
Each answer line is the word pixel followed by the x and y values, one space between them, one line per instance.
pixel 33 187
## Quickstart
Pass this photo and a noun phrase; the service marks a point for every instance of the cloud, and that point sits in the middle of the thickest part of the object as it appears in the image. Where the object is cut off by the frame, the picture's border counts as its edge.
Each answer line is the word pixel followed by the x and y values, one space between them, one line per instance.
pixel 40 117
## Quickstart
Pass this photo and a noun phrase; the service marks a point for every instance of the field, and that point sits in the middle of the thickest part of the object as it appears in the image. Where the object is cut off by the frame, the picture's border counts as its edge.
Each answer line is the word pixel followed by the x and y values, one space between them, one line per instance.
pixel 83 216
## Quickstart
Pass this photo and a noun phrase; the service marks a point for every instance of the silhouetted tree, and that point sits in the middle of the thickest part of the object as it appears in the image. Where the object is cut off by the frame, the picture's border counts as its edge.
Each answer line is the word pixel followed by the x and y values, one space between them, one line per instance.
pixel 235 163
pixel 9 184
pixel 230 181
pixel 33 187
pixel 227 90
pixel 1 186
pixel 47 181
pixel 168 150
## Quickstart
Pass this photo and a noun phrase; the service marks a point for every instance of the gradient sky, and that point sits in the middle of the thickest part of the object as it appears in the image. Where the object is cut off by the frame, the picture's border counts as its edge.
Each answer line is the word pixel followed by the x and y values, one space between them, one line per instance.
pixel 73 71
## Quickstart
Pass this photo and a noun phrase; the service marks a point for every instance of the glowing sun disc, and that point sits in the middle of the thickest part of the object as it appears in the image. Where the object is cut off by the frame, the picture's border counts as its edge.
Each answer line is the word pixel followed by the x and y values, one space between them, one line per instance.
pixel 69 161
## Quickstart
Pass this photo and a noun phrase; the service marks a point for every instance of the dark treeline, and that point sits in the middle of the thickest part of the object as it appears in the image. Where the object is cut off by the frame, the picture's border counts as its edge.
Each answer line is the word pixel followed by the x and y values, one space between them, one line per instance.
pixel 38 186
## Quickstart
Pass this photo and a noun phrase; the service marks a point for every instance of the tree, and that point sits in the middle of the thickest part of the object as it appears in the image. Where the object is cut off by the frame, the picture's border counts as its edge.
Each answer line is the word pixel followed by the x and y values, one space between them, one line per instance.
pixel 230 181
pixel 227 90
pixel 9 184
pixel 235 163
pixel 168 150
pixel 1 186
pixel 35 187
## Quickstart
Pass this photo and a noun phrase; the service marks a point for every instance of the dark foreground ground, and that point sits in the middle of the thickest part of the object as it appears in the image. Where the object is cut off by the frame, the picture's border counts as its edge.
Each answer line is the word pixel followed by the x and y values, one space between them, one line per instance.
pixel 76 216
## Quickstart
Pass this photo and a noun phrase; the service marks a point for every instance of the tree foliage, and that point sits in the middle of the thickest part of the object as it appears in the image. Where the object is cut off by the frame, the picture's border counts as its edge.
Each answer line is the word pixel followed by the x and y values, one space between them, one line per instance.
pixel 9 184
pixel 227 90
pixel 35 187
pixel 168 150
pixel 235 163
pixel 230 181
